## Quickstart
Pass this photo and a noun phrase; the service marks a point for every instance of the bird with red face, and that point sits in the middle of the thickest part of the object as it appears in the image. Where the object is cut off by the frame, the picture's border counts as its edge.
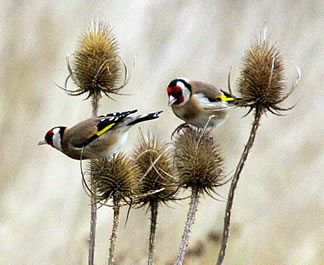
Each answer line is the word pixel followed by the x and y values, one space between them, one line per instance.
pixel 198 103
pixel 95 137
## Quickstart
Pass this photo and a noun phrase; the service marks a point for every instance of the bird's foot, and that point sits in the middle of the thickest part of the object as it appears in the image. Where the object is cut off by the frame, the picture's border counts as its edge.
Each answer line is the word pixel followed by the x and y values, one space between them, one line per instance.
pixel 179 128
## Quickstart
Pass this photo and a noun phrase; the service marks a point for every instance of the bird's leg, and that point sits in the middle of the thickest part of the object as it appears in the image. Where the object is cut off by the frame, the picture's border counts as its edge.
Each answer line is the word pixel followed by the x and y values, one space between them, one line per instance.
pixel 179 128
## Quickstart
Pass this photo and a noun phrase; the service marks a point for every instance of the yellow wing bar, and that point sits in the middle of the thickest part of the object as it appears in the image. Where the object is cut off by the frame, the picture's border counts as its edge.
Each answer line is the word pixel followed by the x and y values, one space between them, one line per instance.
pixel 226 98
pixel 105 129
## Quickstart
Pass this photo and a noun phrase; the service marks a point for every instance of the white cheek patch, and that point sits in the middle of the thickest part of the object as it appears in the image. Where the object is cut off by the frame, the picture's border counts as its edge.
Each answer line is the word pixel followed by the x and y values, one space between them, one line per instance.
pixel 181 84
pixel 57 139
pixel 186 95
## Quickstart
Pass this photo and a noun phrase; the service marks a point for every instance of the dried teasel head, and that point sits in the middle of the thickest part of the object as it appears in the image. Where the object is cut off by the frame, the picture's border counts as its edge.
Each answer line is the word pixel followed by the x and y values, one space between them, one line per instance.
pixel 96 64
pixel 198 161
pixel 153 159
pixel 116 178
pixel 262 83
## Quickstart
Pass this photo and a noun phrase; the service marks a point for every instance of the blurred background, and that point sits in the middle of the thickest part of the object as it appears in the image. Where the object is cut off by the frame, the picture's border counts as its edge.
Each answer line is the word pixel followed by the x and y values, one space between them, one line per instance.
pixel 278 213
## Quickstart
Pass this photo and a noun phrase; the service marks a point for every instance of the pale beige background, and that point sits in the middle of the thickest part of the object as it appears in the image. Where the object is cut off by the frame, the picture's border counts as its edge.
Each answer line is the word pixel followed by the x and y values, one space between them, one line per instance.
pixel 278 212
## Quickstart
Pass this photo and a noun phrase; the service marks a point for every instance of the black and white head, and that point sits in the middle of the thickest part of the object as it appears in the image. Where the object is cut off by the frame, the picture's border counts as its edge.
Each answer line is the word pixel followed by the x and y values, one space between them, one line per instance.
pixel 179 91
pixel 54 137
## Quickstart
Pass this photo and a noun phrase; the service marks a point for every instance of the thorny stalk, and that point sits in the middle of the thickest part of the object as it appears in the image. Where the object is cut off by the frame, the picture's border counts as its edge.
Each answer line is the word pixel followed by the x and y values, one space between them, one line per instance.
pixel 113 237
pixel 230 200
pixel 188 227
pixel 154 213
pixel 93 221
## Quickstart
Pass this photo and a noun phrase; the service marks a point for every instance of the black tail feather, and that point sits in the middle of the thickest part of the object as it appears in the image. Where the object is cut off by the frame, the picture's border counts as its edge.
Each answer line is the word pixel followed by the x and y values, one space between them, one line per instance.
pixel 144 117
pixel 118 114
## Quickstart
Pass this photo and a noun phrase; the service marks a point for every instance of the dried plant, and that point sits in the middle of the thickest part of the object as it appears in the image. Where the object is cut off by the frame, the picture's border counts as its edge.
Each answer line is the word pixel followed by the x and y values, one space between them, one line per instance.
pixel 95 70
pixel 262 82
pixel 96 64
pixel 198 161
pixel 156 184
pixel 115 179
pixel 262 87
pixel 198 165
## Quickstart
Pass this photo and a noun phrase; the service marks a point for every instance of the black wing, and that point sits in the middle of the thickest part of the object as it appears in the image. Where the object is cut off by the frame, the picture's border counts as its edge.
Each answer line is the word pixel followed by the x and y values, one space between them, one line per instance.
pixel 227 94
pixel 105 123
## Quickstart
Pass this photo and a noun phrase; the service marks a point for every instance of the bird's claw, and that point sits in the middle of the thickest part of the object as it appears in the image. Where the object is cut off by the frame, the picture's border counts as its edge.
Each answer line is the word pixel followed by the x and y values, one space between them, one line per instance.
pixel 179 128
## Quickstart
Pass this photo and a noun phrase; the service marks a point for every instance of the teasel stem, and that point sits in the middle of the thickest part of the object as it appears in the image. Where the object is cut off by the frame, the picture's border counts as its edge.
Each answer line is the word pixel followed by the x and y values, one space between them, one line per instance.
pixel 93 187
pixel 95 104
pixel 257 116
pixel 194 200
pixel 113 237
pixel 154 213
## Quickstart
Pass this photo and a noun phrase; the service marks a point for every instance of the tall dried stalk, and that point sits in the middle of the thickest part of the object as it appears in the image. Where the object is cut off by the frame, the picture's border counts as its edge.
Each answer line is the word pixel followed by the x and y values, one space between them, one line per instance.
pixel 116 179
pixel 93 187
pixel 261 85
pixel 95 70
pixel 156 184
pixel 198 164
pixel 113 237
pixel 193 206
pixel 154 214
pixel 234 182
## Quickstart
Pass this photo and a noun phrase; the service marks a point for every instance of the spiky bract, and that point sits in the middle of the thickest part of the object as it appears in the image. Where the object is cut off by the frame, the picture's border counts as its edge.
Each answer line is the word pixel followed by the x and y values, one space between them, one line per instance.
pixel 197 160
pixel 96 63
pixel 117 177
pixel 262 83
pixel 154 162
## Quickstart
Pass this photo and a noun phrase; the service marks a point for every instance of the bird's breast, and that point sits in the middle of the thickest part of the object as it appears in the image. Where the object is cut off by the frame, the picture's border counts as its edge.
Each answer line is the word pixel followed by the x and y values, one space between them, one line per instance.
pixel 105 145
pixel 189 111
pixel 193 113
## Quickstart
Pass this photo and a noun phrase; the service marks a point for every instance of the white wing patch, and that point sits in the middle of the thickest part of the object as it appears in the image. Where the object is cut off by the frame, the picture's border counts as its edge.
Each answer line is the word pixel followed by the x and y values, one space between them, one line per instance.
pixel 203 100
pixel 207 104
pixel 122 140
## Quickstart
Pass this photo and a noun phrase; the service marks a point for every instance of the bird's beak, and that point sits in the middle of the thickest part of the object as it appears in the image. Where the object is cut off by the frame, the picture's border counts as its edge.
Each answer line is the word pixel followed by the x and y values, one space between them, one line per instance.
pixel 42 142
pixel 172 99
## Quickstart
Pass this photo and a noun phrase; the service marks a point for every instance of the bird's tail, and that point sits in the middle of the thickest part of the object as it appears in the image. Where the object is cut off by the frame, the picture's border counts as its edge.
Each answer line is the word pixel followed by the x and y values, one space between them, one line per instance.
pixel 144 117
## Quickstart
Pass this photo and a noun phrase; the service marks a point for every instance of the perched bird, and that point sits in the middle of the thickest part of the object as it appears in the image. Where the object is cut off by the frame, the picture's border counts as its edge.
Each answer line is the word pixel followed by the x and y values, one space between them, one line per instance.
pixel 95 137
pixel 198 103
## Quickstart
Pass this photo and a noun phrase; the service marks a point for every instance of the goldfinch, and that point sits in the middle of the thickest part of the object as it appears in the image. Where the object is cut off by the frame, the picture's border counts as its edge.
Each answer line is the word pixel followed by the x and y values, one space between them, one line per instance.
pixel 198 103
pixel 95 137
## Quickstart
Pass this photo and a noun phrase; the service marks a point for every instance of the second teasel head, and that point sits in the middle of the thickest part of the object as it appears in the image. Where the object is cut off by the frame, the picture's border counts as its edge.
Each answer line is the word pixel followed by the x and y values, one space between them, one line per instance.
pixel 262 84
pixel 95 67
pixel 197 160
pixel 116 178
pixel 153 158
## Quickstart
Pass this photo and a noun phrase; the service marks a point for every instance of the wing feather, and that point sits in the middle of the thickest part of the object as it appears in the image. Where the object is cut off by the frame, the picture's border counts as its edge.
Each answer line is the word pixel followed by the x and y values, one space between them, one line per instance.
pixel 89 130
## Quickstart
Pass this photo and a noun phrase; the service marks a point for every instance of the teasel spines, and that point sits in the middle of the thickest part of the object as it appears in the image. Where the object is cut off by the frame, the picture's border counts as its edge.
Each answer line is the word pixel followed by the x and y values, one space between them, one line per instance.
pixel 262 84
pixel 198 161
pixel 96 66
pixel 117 178
pixel 153 159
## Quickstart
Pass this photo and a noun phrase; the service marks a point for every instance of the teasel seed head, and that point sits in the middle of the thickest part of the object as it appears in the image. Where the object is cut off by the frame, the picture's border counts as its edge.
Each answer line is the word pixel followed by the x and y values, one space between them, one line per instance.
pixel 197 159
pixel 262 83
pixel 96 64
pixel 153 159
pixel 116 178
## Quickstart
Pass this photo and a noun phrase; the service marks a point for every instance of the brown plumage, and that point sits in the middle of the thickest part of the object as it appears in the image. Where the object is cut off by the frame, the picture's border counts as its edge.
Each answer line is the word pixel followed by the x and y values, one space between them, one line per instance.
pixel 95 137
pixel 77 135
pixel 198 103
